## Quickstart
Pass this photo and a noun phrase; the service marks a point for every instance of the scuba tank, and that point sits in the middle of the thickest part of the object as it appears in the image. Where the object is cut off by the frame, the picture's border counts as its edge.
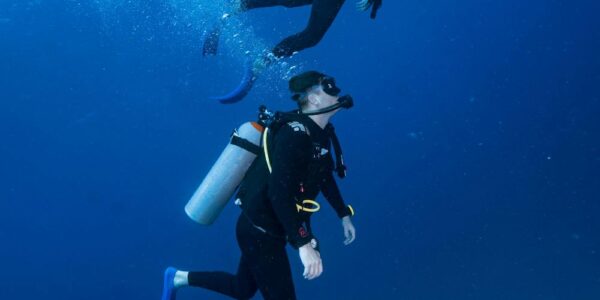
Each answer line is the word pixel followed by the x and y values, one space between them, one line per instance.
pixel 226 174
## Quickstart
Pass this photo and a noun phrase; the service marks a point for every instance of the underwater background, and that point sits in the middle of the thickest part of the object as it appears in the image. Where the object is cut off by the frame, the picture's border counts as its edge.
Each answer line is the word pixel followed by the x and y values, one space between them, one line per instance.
pixel 473 148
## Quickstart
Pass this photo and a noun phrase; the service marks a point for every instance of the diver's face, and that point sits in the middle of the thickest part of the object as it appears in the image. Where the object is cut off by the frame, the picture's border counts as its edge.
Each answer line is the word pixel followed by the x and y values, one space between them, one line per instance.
pixel 329 100
pixel 323 99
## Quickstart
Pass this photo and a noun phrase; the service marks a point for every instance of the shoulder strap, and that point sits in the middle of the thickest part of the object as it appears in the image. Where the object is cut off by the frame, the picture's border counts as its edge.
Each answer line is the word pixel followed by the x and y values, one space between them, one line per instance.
pixel 279 120
pixel 340 167
pixel 244 143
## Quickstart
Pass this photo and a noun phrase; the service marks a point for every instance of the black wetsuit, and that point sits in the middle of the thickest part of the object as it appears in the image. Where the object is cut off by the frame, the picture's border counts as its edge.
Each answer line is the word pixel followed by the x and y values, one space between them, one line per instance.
pixel 302 166
pixel 322 14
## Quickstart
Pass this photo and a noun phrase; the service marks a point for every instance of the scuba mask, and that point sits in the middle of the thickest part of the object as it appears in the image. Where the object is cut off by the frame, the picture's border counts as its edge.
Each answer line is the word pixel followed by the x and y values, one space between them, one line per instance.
pixel 327 84
pixel 329 87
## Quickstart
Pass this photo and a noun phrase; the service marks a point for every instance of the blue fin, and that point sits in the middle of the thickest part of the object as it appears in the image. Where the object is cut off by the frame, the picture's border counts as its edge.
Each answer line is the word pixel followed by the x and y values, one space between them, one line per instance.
pixel 242 89
pixel 168 284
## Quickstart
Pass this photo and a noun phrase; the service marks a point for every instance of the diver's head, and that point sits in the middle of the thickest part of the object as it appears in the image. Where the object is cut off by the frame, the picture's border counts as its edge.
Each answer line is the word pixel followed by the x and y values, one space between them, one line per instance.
pixel 316 93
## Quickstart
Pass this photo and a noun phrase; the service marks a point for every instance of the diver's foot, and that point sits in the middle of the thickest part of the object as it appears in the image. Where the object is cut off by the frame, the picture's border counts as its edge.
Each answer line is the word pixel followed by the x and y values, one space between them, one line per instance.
pixel 169 289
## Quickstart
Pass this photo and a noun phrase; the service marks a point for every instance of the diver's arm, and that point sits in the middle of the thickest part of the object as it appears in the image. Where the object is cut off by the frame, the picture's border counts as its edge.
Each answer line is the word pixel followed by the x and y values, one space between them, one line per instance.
pixel 322 14
pixel 332 193
pixel 289 161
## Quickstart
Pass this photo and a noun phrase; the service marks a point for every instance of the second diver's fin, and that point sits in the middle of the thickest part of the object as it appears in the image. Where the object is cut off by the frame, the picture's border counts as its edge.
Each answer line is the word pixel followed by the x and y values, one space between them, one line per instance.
pixel 241 90
pixel 211 41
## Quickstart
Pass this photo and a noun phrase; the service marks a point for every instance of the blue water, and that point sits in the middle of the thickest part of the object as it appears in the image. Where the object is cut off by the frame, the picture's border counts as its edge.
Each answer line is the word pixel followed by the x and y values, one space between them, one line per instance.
pixel 473 148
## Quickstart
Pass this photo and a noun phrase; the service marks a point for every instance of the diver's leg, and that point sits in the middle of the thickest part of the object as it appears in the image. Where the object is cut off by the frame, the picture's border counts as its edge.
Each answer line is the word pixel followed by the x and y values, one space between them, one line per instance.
pixel 238 286
pixel 322 14
pixel 211 39
pixel 273 273
pixel 268 262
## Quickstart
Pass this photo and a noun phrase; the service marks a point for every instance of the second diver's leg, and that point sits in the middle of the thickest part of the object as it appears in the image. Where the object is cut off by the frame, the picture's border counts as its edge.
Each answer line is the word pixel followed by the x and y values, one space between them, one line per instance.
pixel 211 38
pixel 252 4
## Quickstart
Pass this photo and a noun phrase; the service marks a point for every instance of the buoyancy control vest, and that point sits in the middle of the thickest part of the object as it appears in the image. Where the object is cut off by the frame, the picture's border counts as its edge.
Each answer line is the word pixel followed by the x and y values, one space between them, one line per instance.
pixel 238 160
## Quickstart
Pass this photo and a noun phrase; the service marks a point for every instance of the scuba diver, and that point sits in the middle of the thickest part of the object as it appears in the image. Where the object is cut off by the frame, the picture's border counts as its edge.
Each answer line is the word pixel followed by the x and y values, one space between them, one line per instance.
pixel 277 195
pixel 323 13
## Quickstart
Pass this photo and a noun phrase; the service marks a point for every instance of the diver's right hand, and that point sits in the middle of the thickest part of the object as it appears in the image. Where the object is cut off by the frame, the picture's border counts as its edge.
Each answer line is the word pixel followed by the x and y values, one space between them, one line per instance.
pixel 311 259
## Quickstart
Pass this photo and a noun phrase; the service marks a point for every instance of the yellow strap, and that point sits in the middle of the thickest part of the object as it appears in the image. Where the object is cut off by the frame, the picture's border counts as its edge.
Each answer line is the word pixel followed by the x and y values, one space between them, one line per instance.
pixel 315 206
pixel 266 151
pixel 351 209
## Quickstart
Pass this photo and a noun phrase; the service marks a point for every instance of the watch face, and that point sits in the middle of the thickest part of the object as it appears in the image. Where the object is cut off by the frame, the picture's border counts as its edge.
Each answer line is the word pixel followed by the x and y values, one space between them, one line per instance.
pixel 313 243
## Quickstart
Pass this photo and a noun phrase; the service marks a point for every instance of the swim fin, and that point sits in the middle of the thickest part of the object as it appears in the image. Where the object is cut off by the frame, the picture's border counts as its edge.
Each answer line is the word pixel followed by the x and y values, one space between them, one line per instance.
pixel 169 289
pixel 211 41
pixel 241 90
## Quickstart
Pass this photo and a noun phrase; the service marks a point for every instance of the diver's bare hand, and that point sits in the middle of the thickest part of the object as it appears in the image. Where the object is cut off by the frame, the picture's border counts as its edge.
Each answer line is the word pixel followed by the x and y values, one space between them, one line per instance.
pixel 311 259
pixel 349 230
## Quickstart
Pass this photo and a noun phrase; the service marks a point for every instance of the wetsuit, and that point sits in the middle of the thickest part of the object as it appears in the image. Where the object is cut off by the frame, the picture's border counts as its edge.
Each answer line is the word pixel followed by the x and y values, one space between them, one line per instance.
pixel 302 165
pixel 322 14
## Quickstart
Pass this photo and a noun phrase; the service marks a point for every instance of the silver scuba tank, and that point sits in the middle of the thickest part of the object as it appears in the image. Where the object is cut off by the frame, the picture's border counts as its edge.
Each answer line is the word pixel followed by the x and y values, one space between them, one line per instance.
pixel 225 175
